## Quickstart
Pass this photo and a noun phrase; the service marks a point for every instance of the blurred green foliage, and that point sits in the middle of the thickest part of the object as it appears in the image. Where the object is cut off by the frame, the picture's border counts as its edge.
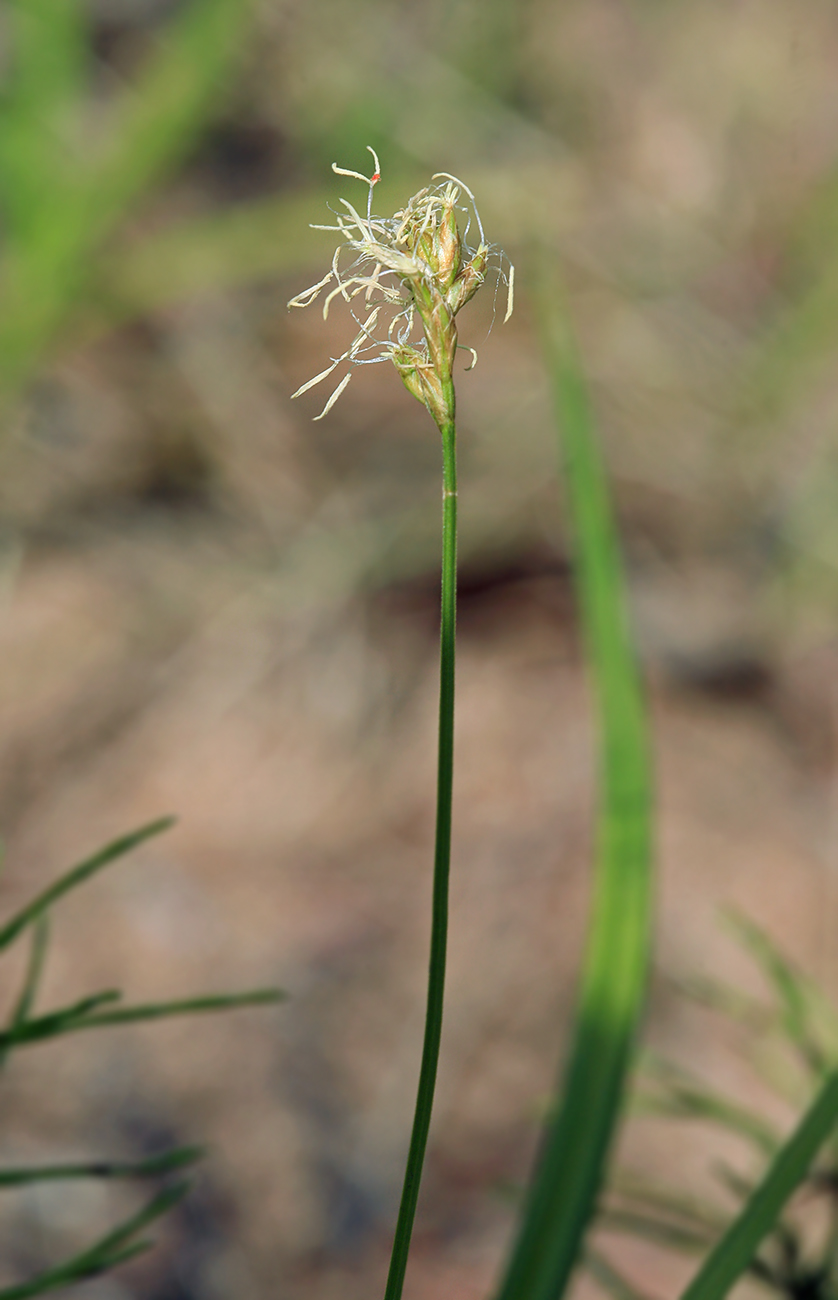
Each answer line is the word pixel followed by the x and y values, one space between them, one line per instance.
pixel 612 996
pixel 94 1012
pixel 66 179
pixel 791 1039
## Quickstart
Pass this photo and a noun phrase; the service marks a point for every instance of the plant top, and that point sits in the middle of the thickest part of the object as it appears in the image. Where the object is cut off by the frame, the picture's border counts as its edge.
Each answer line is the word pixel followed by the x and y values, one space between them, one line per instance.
pixel 415 271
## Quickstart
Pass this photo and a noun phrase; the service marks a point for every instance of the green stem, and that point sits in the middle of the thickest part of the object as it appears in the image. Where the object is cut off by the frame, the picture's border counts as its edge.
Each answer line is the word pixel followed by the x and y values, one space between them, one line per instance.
pixel 442 859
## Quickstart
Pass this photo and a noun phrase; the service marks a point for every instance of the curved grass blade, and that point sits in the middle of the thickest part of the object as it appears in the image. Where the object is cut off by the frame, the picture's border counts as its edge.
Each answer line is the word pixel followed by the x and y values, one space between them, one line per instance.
pixel 796 346
pixel 77 875
pixel 765 1027
pixel 84 1015
pixel 123 1256
pixel 48 65
pixel 634 1192
pixel 31 980
pixel 684 1097
pixel 733 1181
pixel 569 1173
pixel 675 1236
pixel 150 1168
pixel 165 109
pixel 742 1189
pixel 715 995
pixel 610 1278
pixel 56 1022
pixel 802 1008
pixel 736 1251
pixel 185 1007
pixel 114 1248
pixel 47 267
pixel 34 972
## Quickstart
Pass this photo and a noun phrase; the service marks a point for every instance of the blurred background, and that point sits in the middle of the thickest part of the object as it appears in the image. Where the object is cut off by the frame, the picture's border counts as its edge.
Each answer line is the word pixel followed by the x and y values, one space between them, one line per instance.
pixel 213 606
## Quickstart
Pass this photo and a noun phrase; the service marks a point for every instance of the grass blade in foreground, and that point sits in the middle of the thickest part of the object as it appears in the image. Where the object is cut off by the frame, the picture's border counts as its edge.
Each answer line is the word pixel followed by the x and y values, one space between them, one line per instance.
pixel 77 875
pixel 177 89
pixel 34 971
pixel 86 1014
pixel 563 1193
pixel 59 223
pixel 737 1248
pixel 114 1248
pixel 806 1016
pixel 150 1168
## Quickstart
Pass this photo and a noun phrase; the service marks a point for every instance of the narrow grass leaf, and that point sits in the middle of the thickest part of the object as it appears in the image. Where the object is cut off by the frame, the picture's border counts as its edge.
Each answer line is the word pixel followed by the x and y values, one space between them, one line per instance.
pixel 682 1097
pixel 119 1257
pixel 715 995
pixel 57 1022
pixel 114 1248
pixel 34 971
pixel 796 347
pixel 186 1007
pixel 668 1200
pixel 764 1023
pixel 161 1204
pixel 798 1000
pixel 85 1016
pixel 737 1249
pixel 675 1236
pixel 77 876
pixel 569 1173
pixel 609 1277
pixel 49 56
pixel 46 270
pixel 31 979
pixel 150 1168
pixel 163 111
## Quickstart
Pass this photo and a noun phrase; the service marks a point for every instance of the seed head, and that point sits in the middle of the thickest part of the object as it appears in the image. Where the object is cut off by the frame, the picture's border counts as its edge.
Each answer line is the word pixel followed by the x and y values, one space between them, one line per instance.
pixel 416 270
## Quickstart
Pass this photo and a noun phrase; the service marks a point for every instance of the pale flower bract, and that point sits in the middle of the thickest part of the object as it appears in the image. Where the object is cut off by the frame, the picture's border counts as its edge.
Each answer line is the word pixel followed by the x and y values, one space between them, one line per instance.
pixel 414 271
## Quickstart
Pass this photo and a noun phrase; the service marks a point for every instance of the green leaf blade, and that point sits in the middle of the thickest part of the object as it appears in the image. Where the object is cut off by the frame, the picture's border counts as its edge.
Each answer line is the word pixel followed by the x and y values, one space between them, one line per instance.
pixel 163 113
pixel 49 57
pixel 735 1252
pixel 78 875
pixel 116 1247
pixel 563 1195
pixel 152 1167
pixel 87 1014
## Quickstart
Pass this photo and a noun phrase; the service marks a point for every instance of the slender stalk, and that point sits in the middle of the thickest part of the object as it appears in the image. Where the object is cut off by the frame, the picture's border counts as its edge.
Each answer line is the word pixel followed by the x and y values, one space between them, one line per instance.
pixel 423 250
pixel 442 859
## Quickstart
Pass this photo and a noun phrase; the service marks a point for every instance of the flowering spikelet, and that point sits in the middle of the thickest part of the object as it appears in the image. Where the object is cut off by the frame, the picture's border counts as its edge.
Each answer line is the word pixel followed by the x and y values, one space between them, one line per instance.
pixel 415 271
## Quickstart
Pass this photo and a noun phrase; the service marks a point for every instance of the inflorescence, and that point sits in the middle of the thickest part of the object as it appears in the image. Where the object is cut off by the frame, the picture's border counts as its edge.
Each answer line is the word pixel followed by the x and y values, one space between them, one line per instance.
pixel 415 271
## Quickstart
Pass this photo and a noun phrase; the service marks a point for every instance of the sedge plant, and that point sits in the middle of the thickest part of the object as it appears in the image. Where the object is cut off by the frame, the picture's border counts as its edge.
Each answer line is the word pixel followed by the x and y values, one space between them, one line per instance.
pixel 414 272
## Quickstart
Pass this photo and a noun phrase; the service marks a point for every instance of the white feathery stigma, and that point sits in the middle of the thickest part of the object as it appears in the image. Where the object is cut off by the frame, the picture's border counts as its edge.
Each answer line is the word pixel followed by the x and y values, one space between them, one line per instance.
pixel 416 270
